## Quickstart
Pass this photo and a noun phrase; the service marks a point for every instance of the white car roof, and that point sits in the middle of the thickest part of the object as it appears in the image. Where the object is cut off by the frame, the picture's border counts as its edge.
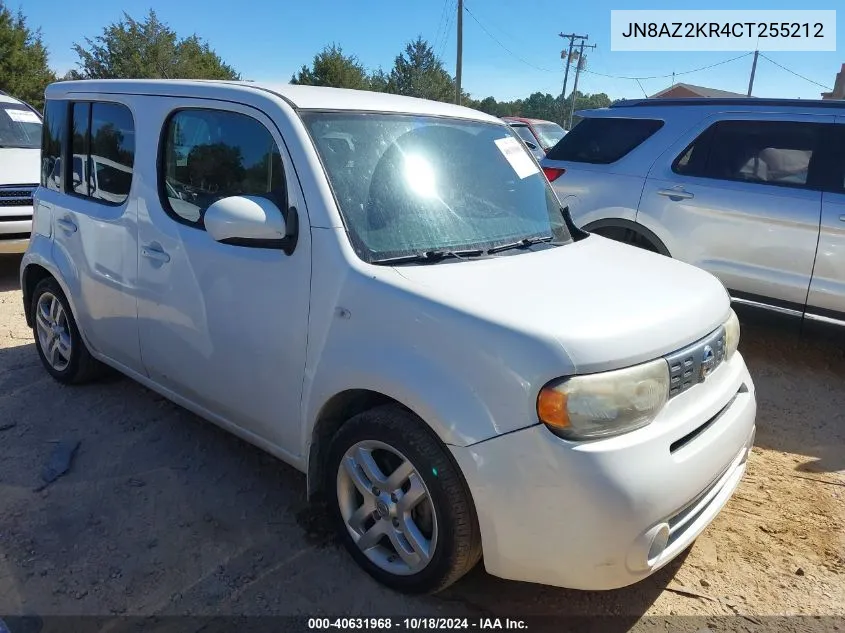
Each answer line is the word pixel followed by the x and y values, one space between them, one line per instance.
pixel 300 97
pixel 4 98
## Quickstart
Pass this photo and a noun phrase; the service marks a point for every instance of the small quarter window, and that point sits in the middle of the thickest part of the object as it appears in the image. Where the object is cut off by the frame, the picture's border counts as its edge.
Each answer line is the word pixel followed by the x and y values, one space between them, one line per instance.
pixel 52 142
pixel 603 140
pixel 214 154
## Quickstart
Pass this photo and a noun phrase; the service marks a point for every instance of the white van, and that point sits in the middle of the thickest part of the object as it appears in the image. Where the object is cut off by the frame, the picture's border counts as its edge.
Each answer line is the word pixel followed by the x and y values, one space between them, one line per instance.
pixel 20 142
pixel 385 293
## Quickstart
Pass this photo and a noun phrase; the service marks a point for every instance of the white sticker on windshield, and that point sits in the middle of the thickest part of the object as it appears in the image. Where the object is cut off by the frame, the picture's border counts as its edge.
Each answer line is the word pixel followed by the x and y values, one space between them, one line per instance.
pixel 23 116
pixel 518 157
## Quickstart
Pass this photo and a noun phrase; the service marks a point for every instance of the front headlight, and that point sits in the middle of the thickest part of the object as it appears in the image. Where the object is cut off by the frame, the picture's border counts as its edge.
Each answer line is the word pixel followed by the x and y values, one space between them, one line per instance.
pixel 609 403
pixel 731 335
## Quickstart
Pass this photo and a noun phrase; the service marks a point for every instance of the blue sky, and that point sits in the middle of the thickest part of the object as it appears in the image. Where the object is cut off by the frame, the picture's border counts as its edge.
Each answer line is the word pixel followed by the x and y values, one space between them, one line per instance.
pixel 270 39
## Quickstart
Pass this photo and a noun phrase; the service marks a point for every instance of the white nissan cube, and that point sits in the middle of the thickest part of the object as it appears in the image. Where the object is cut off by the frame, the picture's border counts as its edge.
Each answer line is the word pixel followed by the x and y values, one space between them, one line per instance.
pixel 385 293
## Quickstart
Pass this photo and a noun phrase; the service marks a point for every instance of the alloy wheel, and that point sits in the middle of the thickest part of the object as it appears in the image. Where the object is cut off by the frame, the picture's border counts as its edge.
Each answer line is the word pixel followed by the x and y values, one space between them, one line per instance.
pixel 386 507
pixel 53 331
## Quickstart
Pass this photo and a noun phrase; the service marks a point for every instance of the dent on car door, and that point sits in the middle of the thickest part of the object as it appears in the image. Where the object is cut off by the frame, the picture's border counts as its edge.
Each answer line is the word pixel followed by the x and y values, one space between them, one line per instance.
pixel 826 298
pixel 223 325
pixel 739 197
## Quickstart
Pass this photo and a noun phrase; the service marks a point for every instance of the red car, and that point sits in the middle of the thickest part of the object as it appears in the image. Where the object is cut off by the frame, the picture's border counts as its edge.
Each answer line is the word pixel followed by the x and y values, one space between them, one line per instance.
pixel 545 134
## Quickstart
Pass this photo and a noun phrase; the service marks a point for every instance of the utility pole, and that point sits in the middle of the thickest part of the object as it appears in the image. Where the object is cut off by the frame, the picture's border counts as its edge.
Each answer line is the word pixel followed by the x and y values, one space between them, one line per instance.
pixel 753 72
pixel 571 37
pixel 578 68
pixel 459 63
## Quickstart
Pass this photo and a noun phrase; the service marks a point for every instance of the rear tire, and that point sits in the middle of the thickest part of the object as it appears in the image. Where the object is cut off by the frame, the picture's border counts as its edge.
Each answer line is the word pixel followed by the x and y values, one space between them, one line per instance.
pixel 57 339
pixel 400 503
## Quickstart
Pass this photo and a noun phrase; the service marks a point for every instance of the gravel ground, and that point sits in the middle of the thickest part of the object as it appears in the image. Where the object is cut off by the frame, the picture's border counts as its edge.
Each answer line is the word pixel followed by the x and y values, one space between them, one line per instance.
pixel 163 513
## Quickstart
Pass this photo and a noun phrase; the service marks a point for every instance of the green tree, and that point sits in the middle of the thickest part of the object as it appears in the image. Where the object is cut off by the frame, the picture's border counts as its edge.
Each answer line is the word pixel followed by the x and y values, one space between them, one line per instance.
pixel 582 102
pixel 379 81
pixel 24 72
pixel 149 49
pixel 418 72
pixel 332 68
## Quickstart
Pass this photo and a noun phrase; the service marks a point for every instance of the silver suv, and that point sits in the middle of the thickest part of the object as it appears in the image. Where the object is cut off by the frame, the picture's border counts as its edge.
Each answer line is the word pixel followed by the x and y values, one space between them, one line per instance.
pixel 752 190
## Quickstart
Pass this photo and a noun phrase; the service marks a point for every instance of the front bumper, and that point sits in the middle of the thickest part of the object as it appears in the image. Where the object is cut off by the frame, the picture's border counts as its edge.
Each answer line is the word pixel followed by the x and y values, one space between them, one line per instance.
pixel 15 228
pixel 605 514
pixel 13 247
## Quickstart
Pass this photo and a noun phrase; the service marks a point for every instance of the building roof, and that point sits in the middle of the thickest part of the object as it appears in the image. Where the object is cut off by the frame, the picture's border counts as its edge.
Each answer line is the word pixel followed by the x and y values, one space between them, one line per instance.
pixel 701 91
pixel 299 97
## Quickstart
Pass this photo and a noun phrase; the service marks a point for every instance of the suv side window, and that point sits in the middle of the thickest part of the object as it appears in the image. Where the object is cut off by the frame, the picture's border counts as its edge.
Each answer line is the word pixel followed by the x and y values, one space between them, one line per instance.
pixel 213 154
pixel 765 152
pixel 603 140
pixel 52 142
pixel 102 151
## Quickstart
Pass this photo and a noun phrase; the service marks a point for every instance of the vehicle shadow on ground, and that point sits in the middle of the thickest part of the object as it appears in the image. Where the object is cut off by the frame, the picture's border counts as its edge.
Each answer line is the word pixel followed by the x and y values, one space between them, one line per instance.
pixel 800 383
pixel 9 267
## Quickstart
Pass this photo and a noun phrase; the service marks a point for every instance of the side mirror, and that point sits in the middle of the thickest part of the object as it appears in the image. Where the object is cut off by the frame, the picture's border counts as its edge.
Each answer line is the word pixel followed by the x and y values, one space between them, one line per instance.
pixel 530 145
pixel 251 221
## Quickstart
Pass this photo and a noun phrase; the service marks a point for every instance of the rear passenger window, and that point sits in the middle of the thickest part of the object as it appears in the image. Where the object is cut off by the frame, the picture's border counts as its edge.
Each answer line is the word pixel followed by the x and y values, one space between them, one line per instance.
pixel 213 154
pixel 102 151
pixel 603 140
pixel 52 140
pixel 766 152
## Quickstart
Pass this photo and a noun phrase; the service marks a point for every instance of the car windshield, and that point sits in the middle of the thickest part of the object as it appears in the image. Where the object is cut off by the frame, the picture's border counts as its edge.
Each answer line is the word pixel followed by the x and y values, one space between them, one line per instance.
pixel 411 185
pixel 19 127
pixel 549 133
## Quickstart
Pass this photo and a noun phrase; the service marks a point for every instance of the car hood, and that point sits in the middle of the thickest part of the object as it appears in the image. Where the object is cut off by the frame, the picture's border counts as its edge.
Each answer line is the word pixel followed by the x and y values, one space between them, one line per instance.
pixel 19 166
pixel 607 304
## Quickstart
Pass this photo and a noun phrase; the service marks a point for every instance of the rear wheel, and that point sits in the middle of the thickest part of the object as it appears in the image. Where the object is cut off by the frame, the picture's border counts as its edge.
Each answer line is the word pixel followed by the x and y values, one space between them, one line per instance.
pixel 401 505
pixel 57 338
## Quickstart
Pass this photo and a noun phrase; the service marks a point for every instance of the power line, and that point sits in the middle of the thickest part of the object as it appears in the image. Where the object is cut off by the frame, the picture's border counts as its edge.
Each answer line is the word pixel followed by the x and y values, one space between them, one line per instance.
pixel 498 41
pixel 447 31
pixel 685 72
pixel 441 24
pixel 828 88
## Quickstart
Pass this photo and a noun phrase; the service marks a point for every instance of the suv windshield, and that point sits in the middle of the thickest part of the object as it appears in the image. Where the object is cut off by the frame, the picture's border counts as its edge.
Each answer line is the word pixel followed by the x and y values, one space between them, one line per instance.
pixel 19 127
pixel 417 185
pixel 549 133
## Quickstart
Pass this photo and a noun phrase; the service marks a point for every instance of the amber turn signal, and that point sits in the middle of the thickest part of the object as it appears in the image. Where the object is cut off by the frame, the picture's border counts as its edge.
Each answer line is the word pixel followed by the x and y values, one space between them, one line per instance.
pixel 551 408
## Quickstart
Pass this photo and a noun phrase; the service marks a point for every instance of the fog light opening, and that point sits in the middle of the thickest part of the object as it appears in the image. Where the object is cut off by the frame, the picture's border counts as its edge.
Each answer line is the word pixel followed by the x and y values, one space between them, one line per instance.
pixel 658 544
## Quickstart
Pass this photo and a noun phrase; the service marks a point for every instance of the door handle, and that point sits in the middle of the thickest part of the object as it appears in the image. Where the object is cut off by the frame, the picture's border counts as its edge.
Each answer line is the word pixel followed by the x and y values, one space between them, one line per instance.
pixel 675 194
pixel 66 224
pixel 155 254
pixel 842 218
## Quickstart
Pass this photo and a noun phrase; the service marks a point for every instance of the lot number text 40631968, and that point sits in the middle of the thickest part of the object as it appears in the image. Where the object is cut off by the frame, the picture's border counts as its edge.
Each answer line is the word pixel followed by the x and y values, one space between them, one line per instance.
pixel 413 624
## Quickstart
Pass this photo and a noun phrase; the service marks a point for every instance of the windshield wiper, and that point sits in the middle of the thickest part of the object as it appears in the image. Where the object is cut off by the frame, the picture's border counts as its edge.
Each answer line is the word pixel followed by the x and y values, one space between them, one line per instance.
pixel 430 257
pixel 524 243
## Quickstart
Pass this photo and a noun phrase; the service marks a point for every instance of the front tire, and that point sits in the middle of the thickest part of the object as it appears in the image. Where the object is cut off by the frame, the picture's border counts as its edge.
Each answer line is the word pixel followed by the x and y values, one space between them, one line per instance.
pixel 57 338
pixel 400 503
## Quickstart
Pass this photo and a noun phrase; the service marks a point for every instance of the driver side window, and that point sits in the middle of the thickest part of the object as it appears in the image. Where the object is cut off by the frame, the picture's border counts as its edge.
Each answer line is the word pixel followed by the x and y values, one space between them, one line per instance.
pixel 214 154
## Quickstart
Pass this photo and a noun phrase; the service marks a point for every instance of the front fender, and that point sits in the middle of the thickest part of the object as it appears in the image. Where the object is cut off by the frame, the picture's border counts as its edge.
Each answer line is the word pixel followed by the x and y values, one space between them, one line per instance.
pixel 432 391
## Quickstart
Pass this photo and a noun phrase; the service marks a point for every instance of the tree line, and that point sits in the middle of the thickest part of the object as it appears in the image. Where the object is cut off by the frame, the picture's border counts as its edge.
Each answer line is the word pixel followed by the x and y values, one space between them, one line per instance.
pixel 149 48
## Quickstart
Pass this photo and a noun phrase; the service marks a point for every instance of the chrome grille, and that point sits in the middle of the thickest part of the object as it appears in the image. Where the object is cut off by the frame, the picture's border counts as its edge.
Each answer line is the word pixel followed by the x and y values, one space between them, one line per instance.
pixel 16 195
pixel 692 364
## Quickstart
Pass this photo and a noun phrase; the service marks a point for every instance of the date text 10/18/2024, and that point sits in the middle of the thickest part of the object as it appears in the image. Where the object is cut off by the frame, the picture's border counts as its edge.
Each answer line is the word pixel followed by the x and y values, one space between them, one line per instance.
pixel 413 624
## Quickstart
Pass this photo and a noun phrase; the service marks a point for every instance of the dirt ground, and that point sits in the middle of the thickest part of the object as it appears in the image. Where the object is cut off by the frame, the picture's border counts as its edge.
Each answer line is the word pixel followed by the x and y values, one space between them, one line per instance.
pixel 162 513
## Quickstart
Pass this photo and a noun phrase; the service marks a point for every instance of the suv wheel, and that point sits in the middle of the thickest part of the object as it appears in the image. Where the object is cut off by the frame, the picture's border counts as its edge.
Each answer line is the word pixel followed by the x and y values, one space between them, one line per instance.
pixel 401 505
pixel 57 338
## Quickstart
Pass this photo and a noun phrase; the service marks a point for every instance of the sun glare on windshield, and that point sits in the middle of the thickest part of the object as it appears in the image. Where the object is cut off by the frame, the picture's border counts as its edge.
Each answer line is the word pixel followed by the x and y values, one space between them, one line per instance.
pixel 420 176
